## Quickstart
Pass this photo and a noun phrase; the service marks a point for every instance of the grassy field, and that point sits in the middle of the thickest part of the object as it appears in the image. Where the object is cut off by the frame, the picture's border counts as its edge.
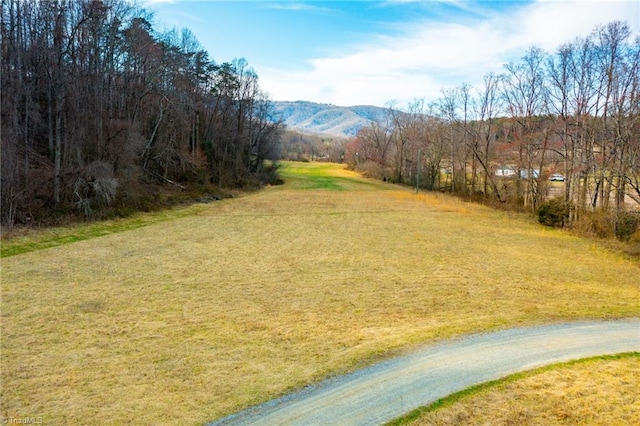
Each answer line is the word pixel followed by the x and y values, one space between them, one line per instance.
pixel 595 391
pixel 213 308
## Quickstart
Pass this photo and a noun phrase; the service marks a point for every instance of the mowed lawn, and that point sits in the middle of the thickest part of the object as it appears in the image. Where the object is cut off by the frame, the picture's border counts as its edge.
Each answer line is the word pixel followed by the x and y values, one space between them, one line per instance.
pixel 597 391
pixel 229 304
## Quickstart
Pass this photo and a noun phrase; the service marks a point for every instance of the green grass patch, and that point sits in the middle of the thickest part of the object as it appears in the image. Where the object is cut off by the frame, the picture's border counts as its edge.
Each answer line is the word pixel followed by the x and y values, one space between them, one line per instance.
pixel 325 176
pixel 37 239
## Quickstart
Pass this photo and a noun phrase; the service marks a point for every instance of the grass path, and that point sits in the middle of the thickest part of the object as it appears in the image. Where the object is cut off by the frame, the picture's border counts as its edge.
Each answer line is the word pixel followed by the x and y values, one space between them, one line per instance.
pixel 232 303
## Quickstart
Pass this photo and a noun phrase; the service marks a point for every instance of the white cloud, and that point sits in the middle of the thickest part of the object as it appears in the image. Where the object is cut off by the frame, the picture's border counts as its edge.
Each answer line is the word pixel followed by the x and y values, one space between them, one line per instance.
pixel 191 17
pixel 297 6
pixel 547 24
pixel 432 55
pixel 152 2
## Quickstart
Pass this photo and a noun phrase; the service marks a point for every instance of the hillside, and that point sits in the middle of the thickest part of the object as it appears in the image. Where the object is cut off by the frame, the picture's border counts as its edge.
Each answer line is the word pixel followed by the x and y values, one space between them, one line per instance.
pixel 327 119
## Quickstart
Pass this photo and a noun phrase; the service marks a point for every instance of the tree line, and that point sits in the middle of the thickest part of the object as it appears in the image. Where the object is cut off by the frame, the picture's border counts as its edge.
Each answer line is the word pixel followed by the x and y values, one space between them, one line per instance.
pixel 98 109
pixel 574 112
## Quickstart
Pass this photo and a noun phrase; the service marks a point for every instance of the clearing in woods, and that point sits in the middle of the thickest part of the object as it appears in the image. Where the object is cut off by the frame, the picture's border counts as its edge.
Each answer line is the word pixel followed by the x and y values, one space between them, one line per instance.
pixel 195 313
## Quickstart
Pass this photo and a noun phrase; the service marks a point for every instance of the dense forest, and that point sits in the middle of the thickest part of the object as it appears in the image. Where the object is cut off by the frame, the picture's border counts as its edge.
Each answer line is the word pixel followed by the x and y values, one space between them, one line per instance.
pixel 99 110
pixel 574 112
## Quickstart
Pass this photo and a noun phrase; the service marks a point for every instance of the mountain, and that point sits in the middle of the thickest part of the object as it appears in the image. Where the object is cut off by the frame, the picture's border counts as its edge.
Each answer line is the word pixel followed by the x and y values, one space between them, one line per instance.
pixel 310 117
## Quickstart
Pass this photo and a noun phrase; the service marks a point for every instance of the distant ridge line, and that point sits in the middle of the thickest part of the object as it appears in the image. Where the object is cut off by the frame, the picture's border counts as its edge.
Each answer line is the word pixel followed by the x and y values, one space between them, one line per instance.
pixel 328 119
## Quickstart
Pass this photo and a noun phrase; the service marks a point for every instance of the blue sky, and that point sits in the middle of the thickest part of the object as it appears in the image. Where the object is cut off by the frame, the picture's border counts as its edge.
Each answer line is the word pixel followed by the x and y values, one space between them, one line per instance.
pixel 376 52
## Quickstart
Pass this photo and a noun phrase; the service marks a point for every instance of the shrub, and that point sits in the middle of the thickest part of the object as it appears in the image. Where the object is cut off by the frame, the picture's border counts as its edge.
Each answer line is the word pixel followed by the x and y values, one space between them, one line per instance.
pixel 626 225
pixel 94 188
pixel 269 174
pixel 373 170
pixel 591 224
pixel 554 212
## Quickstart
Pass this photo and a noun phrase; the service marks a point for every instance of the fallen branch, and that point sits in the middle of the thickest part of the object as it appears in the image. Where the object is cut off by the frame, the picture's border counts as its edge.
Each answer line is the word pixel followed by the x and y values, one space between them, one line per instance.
pixel 166 180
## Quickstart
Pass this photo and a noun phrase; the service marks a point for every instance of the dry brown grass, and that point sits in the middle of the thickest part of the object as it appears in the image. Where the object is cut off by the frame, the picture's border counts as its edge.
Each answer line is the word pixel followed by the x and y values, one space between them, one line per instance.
pixel 596 392
pixel 186 320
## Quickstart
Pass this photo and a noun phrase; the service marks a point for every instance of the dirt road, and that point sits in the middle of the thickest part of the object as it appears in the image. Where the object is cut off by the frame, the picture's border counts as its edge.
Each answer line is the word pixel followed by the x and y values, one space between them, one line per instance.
pixel 387 390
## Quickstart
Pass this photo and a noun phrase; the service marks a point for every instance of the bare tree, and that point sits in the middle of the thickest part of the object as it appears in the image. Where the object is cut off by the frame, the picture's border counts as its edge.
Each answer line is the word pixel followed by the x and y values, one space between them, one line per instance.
pixel 448 112
pixel 97 105
pixel 484 132
pixel 524 92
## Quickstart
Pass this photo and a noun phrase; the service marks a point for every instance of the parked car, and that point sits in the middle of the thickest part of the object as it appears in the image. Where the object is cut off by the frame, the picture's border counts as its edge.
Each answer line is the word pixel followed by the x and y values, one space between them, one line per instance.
pixel 556 177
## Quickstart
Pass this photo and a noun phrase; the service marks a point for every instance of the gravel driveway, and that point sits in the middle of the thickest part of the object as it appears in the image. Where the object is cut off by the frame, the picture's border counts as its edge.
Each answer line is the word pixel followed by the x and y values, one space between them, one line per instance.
pixel 387 390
